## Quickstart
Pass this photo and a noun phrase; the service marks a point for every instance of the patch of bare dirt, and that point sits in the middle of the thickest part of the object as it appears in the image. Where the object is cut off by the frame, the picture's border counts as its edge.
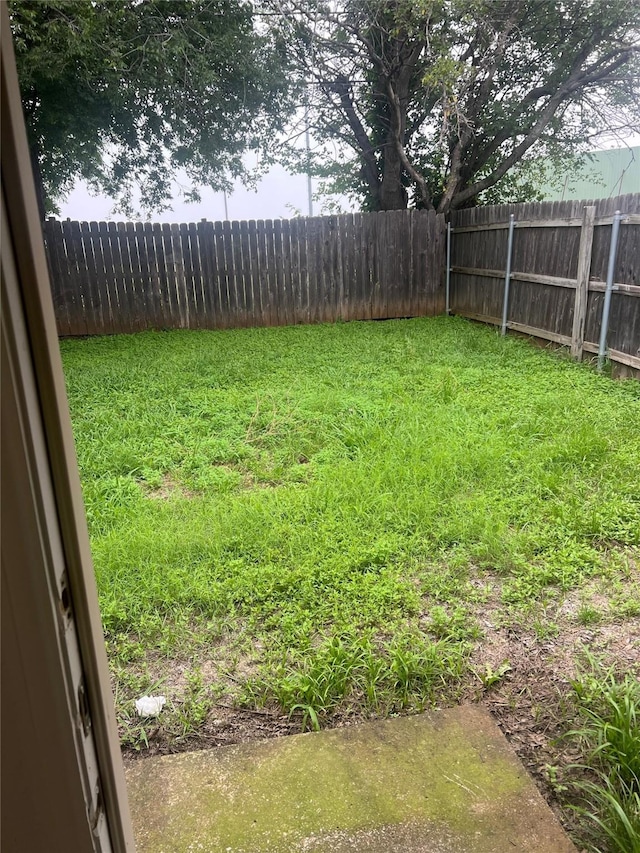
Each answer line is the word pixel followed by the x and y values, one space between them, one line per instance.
pixel 530 702
pixel 167 489
pixel 224 726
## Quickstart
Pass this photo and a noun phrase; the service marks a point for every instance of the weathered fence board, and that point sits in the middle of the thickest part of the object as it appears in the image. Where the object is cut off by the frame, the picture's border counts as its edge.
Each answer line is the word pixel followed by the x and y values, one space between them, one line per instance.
pixel 559 266
pixel 59 278
pixel 582 282
pixel 109 278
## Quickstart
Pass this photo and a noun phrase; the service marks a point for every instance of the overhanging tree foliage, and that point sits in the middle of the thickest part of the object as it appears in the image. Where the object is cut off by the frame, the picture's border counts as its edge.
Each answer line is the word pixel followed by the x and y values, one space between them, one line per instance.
pixel 125 94
pixel 437 102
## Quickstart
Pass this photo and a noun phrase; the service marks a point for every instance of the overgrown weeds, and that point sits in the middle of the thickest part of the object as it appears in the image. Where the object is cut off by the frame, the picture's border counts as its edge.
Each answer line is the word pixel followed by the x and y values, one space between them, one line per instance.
pixel 339 498
pixel 609 737
pixel 405 672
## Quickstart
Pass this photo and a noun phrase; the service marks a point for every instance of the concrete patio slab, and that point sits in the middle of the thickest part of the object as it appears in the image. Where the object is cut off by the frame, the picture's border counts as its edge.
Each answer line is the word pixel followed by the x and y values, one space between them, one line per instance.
pixel 442 782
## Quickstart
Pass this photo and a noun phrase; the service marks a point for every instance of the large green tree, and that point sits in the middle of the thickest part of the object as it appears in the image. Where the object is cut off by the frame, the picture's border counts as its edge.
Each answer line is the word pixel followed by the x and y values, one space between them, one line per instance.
pixel 445 103
pixel 128 94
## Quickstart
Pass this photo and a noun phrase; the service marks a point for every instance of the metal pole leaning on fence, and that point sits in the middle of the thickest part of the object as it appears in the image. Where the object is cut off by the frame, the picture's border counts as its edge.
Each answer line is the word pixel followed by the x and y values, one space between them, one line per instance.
pixel 448 284
pixel 507 277
pixel 604 326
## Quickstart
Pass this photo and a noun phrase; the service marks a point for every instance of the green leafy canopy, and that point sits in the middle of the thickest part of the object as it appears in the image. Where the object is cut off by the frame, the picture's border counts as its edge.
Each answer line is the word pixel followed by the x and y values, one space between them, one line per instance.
pixel 434 103
pixel 125 95
pixel 447 103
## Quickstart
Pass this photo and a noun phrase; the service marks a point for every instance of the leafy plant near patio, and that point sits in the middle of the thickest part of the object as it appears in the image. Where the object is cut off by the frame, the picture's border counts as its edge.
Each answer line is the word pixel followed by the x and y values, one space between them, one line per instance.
pixel 609 736
pixel 318 512
pixel 405 672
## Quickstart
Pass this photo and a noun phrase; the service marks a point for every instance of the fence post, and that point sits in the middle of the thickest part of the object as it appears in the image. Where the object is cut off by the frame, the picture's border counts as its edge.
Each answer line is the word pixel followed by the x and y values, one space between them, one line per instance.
pixel 582 282
pixel 507 277
pixel 604 326
pixel 448 280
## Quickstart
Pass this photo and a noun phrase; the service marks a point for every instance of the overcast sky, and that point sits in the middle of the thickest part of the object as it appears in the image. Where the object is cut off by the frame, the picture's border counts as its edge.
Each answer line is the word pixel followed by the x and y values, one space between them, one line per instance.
pixel 279 194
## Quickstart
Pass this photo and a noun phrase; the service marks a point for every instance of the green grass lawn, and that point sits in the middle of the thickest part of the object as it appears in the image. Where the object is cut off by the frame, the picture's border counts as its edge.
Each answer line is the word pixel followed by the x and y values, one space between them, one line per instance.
pixel 319 513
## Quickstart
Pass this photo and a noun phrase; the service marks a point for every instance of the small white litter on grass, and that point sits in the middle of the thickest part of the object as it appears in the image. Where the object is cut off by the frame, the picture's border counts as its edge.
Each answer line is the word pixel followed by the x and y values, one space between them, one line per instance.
pixel 149 706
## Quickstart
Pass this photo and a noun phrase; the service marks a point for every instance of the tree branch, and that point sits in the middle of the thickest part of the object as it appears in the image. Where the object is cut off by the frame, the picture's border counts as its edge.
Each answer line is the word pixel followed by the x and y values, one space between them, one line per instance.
pixel 576 81
pixel 369 162
pixel 406 163
pixel 534 134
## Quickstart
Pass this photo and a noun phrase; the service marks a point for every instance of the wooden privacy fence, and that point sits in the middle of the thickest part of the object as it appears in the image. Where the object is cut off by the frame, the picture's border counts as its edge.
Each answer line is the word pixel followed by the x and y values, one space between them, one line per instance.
pixel 112 277
pixel 557 268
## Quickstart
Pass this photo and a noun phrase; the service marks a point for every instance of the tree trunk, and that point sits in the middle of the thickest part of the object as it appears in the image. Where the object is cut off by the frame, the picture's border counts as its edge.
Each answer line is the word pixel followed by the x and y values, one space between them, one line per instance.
pixel 395 86
pixel 392 194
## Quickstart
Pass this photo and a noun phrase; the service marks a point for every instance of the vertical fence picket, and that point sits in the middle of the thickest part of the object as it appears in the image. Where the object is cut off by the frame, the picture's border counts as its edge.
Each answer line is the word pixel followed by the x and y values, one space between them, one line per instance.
pixel 247 275
pixel 58 272
pixel 206 277
pixel 110 303
pixel 77 268
pixel 439 260
pixel 238 275
pixel 199 314
pixel 403 249
pixel 338 263
pixel 117 310
pixel 92 307
pixel 345 298
pixel 232 290
pixel 391 271
pixel 326 295
pixel 144 282
pixel 378 297
pixel 172 303
pixel 179 279
pixel 154 239
pixel 322 267
pixel 279 273
pixel 263 271
pixel 100 282
pixel 258 317
pixel 314 261
pixel 127 288
pixel 272 271
pixel 337 269
pixel 582 282
pixel 152 268
pixel 293 238
pixel 132 269
pixel 289 258
pixel 435 251
pixel 355 283
pixel 186 257
pixel 424 235
pixel 215 320
pixel 370 266
pixel 417 225
pixel 224 320
pixel 302 303
pixel 399 277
